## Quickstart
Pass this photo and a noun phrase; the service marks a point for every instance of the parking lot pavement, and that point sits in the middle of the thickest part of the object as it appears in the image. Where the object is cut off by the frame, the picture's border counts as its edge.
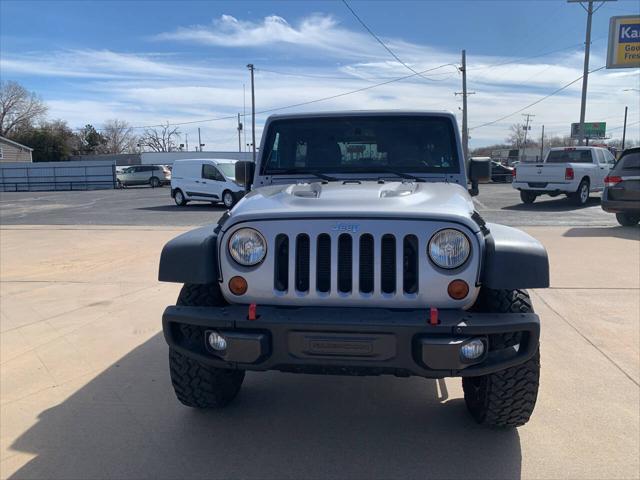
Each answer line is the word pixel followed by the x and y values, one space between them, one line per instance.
pixel 146 206
pixel 85 390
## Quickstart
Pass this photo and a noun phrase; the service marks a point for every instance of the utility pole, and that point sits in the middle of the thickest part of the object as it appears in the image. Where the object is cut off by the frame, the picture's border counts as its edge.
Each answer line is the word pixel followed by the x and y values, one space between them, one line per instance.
pixel 624 128
pixel 186 140
pixel 542 144
pixel 464 93
pixel 253 114
pixel 526 129
pixel 239 134
pixel 585 74
pixel 199 140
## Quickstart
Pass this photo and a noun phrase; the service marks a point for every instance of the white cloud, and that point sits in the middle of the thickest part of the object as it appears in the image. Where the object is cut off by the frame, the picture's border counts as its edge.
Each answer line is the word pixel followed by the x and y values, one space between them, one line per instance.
pixel 321 32
pixel 147 88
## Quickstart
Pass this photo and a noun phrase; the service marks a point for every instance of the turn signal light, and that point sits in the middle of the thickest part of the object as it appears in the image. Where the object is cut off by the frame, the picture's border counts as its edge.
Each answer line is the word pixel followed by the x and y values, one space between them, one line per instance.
pixel 568 173
pixel 238 285
pixel 611 180
pixel 458 289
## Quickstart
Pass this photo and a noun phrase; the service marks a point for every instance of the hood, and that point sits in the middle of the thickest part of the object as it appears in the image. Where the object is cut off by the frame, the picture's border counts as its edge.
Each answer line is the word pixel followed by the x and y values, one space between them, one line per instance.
pixel 348 199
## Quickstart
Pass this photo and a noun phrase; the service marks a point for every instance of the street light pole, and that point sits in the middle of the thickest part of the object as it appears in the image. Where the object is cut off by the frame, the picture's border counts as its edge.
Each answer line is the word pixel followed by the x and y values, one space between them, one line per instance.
pixel 585 74
pixel 253 114
pixel 624 128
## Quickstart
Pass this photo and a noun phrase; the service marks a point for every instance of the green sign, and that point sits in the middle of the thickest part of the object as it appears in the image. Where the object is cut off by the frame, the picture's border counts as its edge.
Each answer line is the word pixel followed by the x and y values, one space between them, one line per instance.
pixel 591 130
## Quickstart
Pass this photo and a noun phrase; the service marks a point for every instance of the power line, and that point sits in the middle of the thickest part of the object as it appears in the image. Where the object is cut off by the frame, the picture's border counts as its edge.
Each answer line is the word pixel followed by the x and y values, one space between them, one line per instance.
pixel 381 42
pixel 536 102
pixel 309 102
pixel 345 77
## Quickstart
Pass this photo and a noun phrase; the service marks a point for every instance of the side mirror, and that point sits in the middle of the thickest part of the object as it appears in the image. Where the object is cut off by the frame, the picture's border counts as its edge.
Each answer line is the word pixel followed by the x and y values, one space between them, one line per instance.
pixel 244 173
pixel 479 171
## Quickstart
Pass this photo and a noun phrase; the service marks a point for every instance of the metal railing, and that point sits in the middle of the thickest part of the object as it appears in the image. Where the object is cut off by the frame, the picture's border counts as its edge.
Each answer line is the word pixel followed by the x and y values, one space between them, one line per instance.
pixel 62 177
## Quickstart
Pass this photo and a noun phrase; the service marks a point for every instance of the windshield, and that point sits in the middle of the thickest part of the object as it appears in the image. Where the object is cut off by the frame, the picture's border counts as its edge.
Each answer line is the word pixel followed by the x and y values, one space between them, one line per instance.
pixel 228 169
pixel 569 156
pixel 361 145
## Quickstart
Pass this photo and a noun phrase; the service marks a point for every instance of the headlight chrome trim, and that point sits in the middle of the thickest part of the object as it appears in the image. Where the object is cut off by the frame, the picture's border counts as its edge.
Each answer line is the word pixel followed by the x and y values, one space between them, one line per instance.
pixel 234 257
pixel 467 242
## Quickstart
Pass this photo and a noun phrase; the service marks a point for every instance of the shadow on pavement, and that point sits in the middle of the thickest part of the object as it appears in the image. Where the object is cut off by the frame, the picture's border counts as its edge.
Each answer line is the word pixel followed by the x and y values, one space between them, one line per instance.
pixel 628 233
pixel 558 204
pixel 126 423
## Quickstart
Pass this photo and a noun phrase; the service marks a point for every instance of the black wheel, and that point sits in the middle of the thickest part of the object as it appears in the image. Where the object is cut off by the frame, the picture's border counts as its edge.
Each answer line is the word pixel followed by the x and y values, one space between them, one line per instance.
pixel 628 219
pixel 197 384
pixel 505 398
pixel 178 197
pixel 119 184
pixel 154 182
pixel 227 199
pixel 527 196
pixel 581 196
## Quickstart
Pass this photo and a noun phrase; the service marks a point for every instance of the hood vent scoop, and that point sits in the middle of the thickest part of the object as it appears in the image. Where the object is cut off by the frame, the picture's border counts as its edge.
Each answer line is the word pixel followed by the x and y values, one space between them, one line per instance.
pixel 304 190
pixel 398 190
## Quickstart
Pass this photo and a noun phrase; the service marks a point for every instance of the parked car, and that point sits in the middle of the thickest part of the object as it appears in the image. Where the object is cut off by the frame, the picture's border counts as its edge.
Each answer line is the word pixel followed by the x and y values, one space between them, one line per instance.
pixel 152 175
pixel 206 180
pixel 572 171
pixel 501 173
pixel 358 252
pixel 622 188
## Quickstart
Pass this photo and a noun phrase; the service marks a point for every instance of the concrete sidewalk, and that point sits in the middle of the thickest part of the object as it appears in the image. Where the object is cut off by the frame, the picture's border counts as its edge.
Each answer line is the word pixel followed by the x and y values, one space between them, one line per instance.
pixel 85 390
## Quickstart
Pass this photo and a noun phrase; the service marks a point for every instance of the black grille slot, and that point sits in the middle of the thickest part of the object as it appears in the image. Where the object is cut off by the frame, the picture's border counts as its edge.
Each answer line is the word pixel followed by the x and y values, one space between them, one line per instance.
pixel 345 258
pixel 410 264
pixel 281 270
pixel 323 263
pixel 366 263
pixel 302 263
pixel 388 264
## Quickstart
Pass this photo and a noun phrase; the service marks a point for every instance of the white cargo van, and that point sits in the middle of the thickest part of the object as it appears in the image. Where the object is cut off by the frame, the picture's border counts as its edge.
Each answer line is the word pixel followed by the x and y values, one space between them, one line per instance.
pixel 206 180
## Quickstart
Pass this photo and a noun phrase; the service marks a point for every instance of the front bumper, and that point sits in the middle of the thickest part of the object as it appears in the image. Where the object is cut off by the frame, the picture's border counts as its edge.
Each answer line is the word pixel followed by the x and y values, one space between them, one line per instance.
pixel 361 341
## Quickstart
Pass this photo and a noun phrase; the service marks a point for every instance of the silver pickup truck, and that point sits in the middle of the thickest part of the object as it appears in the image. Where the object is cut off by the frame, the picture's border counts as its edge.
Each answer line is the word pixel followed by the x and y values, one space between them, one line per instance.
pixel 357 251
pixel 572 171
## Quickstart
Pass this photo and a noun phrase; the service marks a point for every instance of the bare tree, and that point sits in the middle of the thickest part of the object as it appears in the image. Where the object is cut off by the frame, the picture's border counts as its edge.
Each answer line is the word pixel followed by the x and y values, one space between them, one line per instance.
pixel 558 141
pixel 19 108
pixel 516 135
pixel 161 139
pixel 118 136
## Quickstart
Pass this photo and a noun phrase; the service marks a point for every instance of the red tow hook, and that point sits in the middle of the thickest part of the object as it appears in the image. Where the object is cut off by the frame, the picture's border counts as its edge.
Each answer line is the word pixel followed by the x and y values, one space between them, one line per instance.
pixel 252 312
pixel 433 316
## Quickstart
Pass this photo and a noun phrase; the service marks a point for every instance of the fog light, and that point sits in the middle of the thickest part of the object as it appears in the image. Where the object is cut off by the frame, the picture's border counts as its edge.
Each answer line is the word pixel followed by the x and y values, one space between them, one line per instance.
pixel 472 350
pixel 217 341
pixel 238 285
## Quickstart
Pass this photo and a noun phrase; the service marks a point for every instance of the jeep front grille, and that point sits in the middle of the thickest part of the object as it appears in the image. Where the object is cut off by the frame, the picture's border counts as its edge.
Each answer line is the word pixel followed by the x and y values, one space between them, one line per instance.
pixel 365 267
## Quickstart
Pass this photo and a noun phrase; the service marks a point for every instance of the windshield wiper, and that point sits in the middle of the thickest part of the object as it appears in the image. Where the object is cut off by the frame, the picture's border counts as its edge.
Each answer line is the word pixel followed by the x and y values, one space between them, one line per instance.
pixel 408 176
pixel 295 171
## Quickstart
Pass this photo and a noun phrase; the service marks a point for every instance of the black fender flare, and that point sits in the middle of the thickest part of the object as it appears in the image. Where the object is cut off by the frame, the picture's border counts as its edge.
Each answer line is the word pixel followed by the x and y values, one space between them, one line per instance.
pixel 191 257
pixel 513 259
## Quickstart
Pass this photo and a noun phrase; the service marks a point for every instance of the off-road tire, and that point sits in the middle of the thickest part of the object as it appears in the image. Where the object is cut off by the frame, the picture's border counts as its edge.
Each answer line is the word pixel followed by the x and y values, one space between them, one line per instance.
pixel 197 384
pixel 627 219
pixel 579 198
pixel 505 398
pixel 527 197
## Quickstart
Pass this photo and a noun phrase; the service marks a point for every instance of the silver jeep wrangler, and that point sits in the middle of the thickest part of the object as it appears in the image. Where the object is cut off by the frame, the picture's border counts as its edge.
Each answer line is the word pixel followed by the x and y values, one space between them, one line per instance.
pixel 357 251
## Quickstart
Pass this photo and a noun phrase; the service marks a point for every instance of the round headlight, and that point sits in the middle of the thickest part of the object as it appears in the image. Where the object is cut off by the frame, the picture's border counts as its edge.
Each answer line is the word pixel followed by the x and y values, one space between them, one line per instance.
pixel 247 247
pixel 449 248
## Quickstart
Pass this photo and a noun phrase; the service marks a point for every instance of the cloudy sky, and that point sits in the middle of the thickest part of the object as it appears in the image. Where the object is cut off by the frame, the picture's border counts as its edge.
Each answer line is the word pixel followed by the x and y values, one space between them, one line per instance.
pixel 150 62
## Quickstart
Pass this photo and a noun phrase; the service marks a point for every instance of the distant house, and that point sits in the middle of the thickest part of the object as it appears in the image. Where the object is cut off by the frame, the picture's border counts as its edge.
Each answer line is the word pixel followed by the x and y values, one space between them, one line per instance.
pixel 11 151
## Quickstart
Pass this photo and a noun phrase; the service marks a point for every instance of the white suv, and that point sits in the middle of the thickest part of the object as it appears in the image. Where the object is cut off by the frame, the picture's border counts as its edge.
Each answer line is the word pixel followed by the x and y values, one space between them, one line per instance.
pixel 206 180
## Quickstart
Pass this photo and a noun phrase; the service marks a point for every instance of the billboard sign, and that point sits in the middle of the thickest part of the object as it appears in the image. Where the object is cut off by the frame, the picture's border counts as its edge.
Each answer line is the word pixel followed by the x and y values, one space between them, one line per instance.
pixel 624 42
pixel 591 130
